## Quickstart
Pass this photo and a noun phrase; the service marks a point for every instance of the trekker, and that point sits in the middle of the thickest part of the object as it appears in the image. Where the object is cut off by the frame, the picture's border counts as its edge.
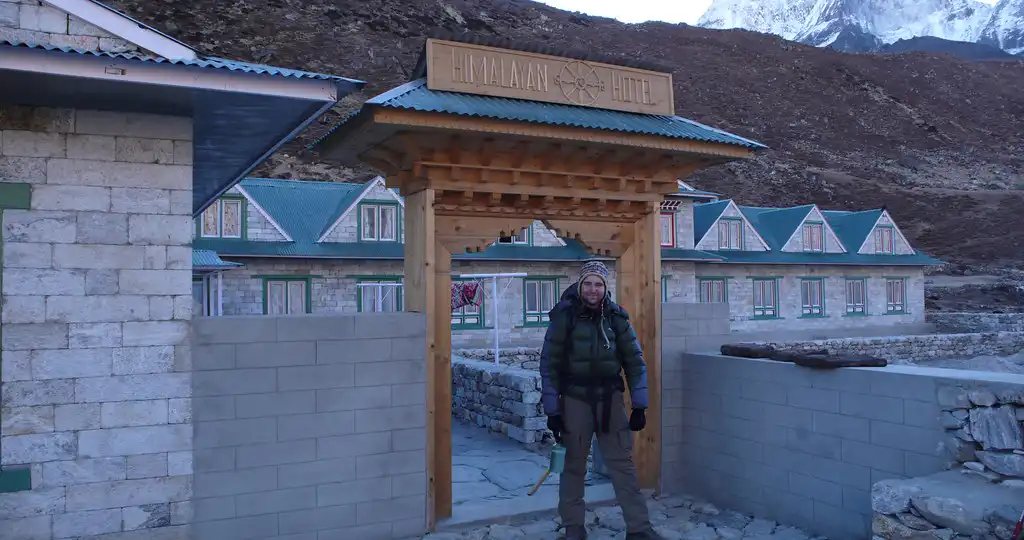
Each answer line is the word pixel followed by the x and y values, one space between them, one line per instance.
pixel 588 343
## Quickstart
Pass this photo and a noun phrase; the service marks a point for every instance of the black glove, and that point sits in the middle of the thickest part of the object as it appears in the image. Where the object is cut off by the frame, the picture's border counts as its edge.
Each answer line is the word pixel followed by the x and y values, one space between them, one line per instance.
pixel 556 426
pixel 638 419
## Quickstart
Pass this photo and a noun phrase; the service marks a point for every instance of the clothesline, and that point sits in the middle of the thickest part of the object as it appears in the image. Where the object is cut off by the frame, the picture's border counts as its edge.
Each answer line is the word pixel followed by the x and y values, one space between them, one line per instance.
pixel 497 303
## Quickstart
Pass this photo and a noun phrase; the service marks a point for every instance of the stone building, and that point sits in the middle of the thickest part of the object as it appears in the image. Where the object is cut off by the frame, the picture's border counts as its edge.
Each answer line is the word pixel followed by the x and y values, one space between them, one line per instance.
pixel 319 247
pixel 112 136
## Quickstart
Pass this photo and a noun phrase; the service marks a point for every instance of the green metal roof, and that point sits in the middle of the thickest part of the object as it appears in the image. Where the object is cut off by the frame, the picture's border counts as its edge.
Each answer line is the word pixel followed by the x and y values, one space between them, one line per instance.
pixel 776 225
pixel 674 254
pixel 204 259
pixel 416 96
pixel 304 209
pixel 705 215
pixel 852 228
pixel 840 259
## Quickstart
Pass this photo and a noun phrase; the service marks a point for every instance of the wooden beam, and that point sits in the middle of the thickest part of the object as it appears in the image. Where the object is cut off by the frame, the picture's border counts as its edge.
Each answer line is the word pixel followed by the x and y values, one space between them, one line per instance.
pixel 638 289
pixel 506 181
pixel 461 234
pixel 442 369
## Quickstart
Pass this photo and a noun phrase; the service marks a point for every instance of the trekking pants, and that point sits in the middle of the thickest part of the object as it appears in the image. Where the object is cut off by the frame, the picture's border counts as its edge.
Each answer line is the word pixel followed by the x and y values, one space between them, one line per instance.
pixel 616 448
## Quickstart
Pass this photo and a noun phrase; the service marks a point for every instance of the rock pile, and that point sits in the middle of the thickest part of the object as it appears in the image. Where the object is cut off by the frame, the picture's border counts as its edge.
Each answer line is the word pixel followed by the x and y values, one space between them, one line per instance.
pixel 675 518
pixel 984 434
pixel 505 399
pixel 976 322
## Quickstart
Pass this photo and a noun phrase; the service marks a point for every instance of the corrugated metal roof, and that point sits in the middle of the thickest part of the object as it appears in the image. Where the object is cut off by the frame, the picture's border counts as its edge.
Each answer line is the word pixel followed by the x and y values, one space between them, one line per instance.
pixel 202 62
pixel 204 259
pixel 852 228
pixel 839 259
pixel 776 225
pixel 673 254
pixel 705 215
pixel 416 96
pixel 304 209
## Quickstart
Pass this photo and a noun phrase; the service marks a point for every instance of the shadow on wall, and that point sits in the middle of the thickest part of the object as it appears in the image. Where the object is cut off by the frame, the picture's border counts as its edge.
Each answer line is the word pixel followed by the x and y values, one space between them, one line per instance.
pixel 804 446
pixel 309 424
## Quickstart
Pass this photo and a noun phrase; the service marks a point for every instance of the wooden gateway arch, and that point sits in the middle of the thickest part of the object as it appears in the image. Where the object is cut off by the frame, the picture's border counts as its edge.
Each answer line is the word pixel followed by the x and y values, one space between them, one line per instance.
pixel 487 138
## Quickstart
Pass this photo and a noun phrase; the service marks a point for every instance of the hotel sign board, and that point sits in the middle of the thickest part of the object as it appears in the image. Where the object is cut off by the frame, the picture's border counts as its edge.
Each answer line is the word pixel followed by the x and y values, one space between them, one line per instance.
pixel 490 71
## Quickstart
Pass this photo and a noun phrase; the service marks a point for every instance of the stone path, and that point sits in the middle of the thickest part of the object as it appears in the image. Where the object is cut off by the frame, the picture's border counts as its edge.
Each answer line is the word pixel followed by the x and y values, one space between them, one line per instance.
pixel 489 466
pixel 675 518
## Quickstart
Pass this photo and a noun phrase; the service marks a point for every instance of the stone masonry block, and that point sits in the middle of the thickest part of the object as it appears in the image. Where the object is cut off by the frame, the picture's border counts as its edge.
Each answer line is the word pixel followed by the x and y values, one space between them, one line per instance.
pixel 316 377
pixel 147 466
pixel 353 492
pixel 303 426
pixel 98 309
pixel 390 418
pixel 77 416
pixel 84 198
pixel 102 228
pixel 98 256
pixel 679 328
pixel 213 357
pixel 100 282
pixel 133 124
pixel 323 471
pixel 27 420
pixel 183 153
pixel 276 453
pixel 135 200
pixel 25 449
pixel 82 172
pixel 416 394
pixel 97 147
pixel 348 446
pixel 9 15
pixel 231 382
pixel 353 350
pixel 317 519
pixel 356 398
pixel 134 441
pixel 24 309
pixel 33 144
pixel 92 522
pixel 151 333
pixel 130 387
pixel 83 471
pixel 390 464
pixel 133 413
pixel 71 363
pixel 25 337
pixel 223 483
pixel 40 226
pixel 148 229
pixel 17 255
pixel 19 504
pixel 410 348
pixel 273 502
pixel 23 169
pixel 43 18
pixel 154 282
pixel 123 493
pixel 391 510
pixel 139 360
pixel 139 150
pixel 33 281
pixel 277 404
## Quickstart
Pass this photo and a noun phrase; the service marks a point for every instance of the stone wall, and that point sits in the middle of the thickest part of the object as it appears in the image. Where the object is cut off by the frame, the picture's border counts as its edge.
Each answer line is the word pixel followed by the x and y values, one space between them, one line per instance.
pixel 983 430
pixel 920 348
pixel 504 399
pixel 957 323
pixel 96 391
pixel 309 425
pixel 30 21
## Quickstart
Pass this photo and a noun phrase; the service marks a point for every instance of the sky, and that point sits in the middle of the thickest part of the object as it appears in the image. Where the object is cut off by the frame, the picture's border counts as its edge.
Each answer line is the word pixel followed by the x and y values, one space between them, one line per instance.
pixel 636 11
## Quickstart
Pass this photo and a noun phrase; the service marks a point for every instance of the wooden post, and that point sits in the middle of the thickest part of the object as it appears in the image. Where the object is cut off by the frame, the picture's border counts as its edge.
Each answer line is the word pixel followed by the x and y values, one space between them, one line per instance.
pixel 442 392
pixel 638 289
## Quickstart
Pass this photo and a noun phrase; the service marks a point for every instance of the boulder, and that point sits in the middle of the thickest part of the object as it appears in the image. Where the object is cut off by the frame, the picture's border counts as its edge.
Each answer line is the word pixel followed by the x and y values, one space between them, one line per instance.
pixel 996 428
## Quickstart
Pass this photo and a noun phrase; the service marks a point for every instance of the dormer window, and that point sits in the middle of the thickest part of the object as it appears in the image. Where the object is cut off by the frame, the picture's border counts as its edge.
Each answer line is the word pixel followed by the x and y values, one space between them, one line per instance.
pixel 521 238
pixel 814 237
pixel 223 219
pixel 668 229
pixel 378 222
pixel 730 233
pixel 884 240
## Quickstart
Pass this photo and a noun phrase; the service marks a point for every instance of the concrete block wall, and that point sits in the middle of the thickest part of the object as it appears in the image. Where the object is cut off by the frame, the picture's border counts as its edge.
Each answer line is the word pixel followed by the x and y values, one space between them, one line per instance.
pixel 310 426
pixel 803 446
pixel 96 389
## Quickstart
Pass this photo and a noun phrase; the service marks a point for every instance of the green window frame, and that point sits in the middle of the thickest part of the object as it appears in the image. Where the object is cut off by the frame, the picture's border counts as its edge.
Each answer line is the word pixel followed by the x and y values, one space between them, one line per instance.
pixel 523 238
pixel 812 298
pixel 378 221
pixel 290 290
pixel 885 239
pixel 470 317
pixel 217 211
pixel 667 224
pixel 540 294
pixel 730 234
pixel 766 298
pixel 856 297
pixel 712 290
pixel 391 298
pixel 13 197
pixel 205 294
pixel 813 236
pixel 895 296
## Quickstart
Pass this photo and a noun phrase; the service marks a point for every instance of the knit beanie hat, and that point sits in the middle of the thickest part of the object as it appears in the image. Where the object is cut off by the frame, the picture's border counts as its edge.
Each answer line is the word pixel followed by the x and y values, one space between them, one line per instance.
pixel 593 268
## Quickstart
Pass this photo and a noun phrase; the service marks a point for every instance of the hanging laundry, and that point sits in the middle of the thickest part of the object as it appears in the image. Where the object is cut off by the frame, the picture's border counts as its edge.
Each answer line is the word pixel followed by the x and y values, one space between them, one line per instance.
pixel 465 293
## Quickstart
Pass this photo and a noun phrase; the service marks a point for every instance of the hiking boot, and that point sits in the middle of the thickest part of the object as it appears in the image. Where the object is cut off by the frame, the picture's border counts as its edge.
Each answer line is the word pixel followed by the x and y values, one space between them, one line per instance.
pixel 575 533
pixel 648 535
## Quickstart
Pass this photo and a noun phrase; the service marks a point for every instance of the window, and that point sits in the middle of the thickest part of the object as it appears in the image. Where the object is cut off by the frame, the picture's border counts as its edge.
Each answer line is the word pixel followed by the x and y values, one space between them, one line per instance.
pixel 712 290
pixel 286 295
pixel 378 222
pixel 668 229
pixel 730 233
pixel 814 237
pixel 664 287
pixel 766 300
pixel 223 219
pixel 812 297
pixel 372 299
pixel 883 240
pixel 856 299
pixel 469 316
pixel 539 296
pixel 895 295
pixel 201 295
pixel 523 237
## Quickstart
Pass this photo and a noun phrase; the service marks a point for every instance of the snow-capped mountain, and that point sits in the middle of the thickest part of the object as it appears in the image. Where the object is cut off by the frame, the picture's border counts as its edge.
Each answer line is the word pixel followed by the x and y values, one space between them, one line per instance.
pixel 868 25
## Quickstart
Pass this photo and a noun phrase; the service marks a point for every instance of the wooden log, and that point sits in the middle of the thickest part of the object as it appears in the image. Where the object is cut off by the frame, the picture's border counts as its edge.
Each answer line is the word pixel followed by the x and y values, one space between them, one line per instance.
pixel 747 350
pixel 840 360
pixel 790 355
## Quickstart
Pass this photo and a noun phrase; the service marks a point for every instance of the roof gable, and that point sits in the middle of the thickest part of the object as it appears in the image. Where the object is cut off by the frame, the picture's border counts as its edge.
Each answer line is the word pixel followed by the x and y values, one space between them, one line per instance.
pixel 852 228
pixel 302 208
pixel 705 215
pixel 121 25
pixel 351 203
pixel 776 225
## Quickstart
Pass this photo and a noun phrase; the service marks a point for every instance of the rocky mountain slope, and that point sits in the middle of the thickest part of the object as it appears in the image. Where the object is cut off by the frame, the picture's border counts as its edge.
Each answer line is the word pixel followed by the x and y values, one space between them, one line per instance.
pixel 936 140
pixel 868 25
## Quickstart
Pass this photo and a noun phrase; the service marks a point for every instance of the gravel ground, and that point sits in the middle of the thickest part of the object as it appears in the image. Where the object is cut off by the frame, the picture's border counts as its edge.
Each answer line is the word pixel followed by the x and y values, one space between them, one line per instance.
pixel 1000 364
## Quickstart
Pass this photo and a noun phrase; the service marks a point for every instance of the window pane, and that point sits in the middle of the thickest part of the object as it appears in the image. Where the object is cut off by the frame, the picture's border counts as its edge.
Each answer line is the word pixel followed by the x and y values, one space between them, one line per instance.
pixel 388 223
pixel 531 297
pixel 232 219
pixel 369 223
pixel 667 229
pixel 296 297
pixel 210 220
pixel 198 297
pixel 523 237
pixel 276 298
pixel 547 299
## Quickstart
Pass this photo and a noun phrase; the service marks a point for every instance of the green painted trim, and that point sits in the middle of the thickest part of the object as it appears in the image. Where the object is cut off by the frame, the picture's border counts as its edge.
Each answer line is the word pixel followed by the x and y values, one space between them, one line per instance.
pixel 286 277
pixel 903 309
pixel 483 312
pixel 12 480
pixel 775 298
pixel 725 288
pixel 399 298
pixel 766 277
pixel 244 217
pixel 309 290
pixel 359 220
pixel 892 245
pixel 821 289
pixel 846 293
pixel 539 324
pixel 15 196
pixel 397 277
pixel 716 277
pixel 765 318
